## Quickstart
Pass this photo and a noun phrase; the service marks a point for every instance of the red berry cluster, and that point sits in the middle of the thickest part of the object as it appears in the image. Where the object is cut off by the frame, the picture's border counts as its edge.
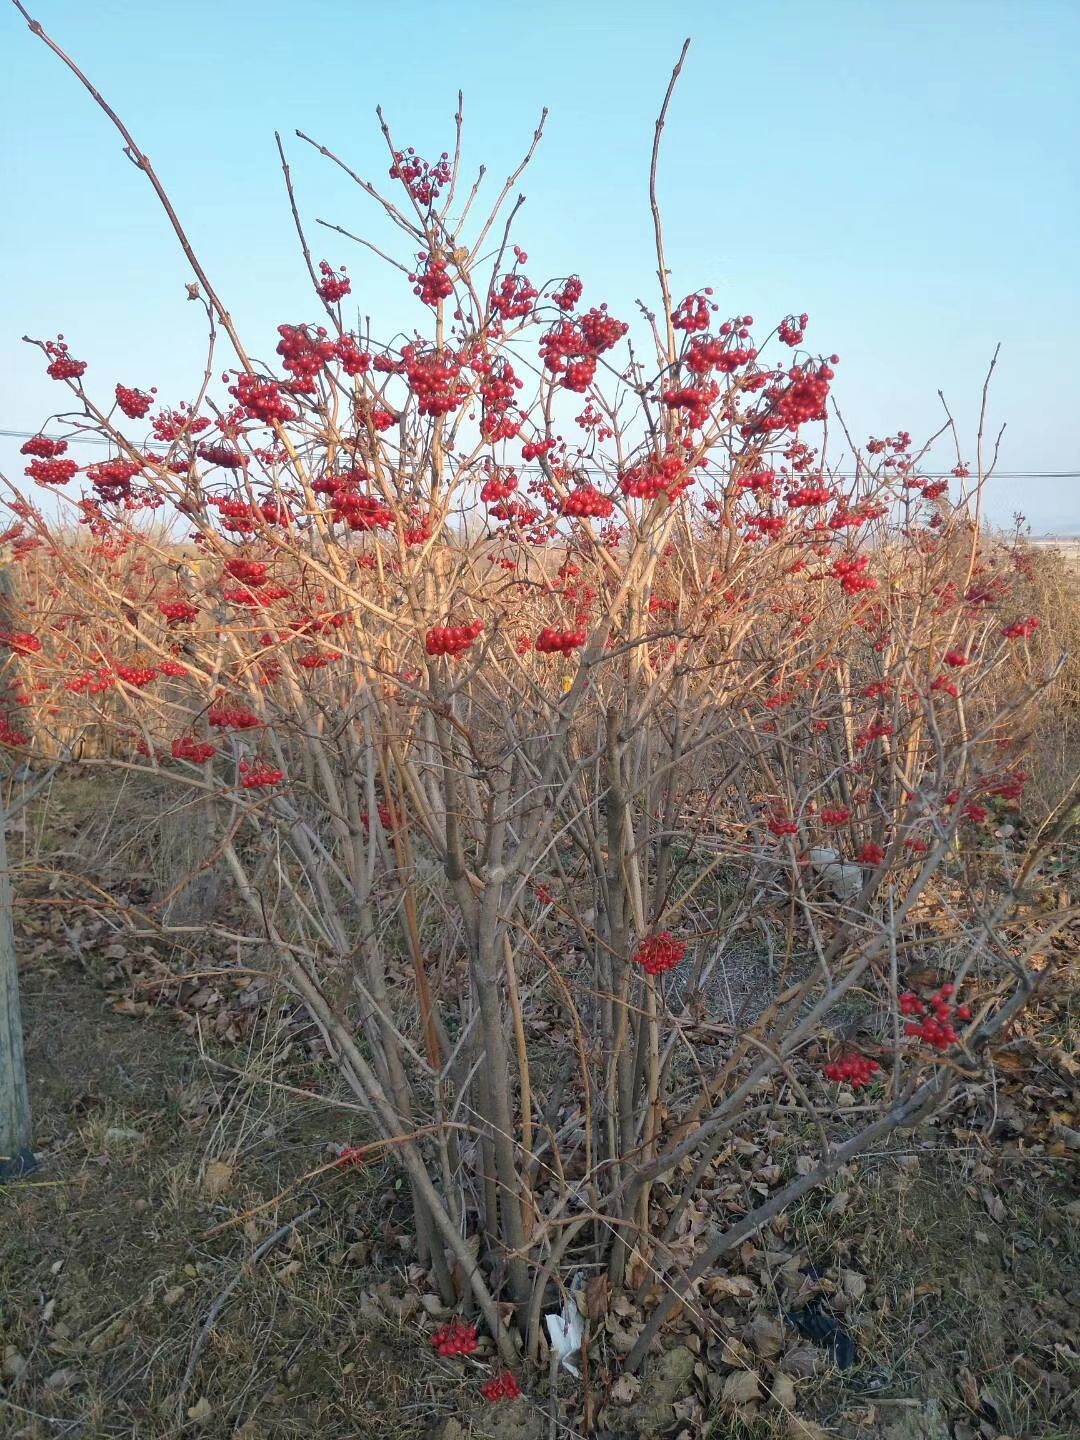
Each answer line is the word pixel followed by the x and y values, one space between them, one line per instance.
pixel 134 403
pixel 43 447
pixel 659 953
pixel 21 642
pixel 432 283
pixel 870 854
pixel 792 329
pixel 660 475
pixel 569 295
pixel 798 398
pixel 879 730
pixel 359 512
pixel 708 353
pixel 61 366
pixel 10 736
pixel 333 286
pixel 695 400
pixel 851 572
pixel 223 717
pixel 112 478
pixel 1021 629
pixel 304 353
pixel 498 488
pixel 423 181
pixel 692 314
pixel 383 812
pixel 92 683
pixel 251 572
pixel 178 612
pixel 137 675
pixel 497 386
pixel 550 642
pixel 454 1338
pixel 956 659
pixel 514 298
pixel 586 502
pixel 354 361
pixel 835 815
pixel 434 376
pixel 169 425
pixel 261 399
pixel 451 639
pixel 932 1020
pixel 502 1387
pixel 197 751
pixel 52 472
pixel 808 495
pixel 259 776
pixel 853 1070
pixel 571 348
pixel 780 825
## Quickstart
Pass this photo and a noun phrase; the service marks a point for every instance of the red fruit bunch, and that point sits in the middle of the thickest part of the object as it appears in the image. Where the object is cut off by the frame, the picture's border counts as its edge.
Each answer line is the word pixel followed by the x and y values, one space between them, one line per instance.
pixel 137 675
pixel 1021 629
pixel 259 776
pixel 261 399
pixel 502 1387
pixel 932 1020
pixel 454 1338
pixel 52 472
pixel 586 502
pixel 835 815
pixel 423 181
pixel 851 572
pixel 660 475
pixel 10 736
pixel 781 825
pixel 569 295
pixel 692 314
pixel 224 717
pixel 21 642
pixel 134 403
pixel 550 642
pixel 659 953
pixel 498 488
pixel 432 283
pixel 333 285
pixel 185 747
pixel 515 297
pixel 352 1157
pixel 61 366
pixel 178 612
pixel 304 353
pixel 853 1070
pixel 452 640
pixel 793 329
pixel 42 447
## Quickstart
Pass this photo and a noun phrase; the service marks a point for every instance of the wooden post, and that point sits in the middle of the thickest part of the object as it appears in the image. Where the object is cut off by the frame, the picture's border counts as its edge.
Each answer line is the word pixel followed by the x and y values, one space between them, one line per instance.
pixel 16 1157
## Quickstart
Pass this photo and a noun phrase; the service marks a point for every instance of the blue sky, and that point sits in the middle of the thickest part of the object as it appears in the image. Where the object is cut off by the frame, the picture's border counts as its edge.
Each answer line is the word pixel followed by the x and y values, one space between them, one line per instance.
pixel 905 172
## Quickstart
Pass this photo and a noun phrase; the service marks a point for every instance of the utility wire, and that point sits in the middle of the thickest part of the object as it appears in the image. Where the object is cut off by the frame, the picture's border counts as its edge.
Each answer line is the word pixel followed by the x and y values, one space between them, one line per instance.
pixel 77 439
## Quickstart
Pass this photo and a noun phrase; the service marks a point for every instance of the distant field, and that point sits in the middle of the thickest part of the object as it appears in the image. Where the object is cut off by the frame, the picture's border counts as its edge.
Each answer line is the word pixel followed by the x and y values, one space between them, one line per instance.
pixel 1067 546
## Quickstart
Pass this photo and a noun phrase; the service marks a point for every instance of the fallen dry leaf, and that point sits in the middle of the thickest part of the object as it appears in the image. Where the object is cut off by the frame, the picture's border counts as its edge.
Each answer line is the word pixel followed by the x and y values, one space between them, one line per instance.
pixel 217 1177
pixel 742 1387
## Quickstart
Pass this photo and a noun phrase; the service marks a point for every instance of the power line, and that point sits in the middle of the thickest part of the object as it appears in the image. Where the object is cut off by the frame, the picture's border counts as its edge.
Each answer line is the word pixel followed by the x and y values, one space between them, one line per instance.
pixel 78 439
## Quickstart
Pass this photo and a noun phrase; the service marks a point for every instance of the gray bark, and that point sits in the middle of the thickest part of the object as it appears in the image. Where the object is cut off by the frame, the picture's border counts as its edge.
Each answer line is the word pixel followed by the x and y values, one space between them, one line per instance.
pixel 16 1158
